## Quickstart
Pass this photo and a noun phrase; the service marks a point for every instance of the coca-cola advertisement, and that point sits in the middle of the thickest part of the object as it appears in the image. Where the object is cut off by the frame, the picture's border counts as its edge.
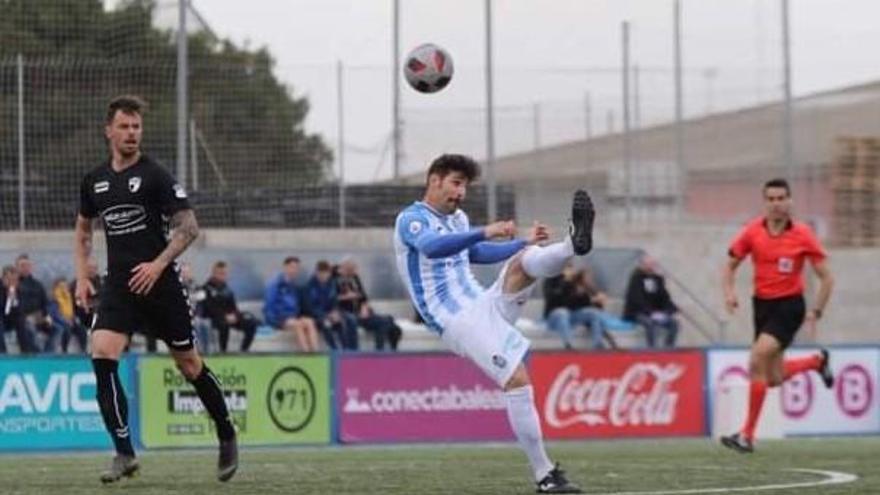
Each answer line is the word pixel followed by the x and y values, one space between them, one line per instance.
pixel 620 394
pixel 421 397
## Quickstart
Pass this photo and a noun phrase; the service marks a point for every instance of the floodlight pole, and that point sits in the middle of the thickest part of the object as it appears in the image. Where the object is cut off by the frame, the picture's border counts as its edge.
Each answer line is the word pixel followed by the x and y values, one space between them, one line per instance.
pixel 492 206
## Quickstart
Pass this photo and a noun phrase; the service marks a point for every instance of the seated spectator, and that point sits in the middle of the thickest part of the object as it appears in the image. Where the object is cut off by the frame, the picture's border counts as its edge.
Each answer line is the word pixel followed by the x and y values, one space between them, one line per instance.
pixel 284 307
pixel 557 293
pixel 324 308
pixel 84 313
pixel 587 305
pixel 12 318
pixel 221 309
pixel 34 304
pixel 61 310
pixel 196 294
pixel 648 303
pixel 354 304
pixel 572 299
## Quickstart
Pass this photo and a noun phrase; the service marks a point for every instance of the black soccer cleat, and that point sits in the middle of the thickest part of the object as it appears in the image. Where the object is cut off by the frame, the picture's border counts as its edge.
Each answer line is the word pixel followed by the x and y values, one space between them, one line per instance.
pixel 581 227
pixel 825 369
pixel 739 443
pixel 123 466
pixel 556 482
pixel 227 463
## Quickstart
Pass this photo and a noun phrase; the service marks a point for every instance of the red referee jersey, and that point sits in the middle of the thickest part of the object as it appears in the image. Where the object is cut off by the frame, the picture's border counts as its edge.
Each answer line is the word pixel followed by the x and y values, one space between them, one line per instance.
pixel 778 260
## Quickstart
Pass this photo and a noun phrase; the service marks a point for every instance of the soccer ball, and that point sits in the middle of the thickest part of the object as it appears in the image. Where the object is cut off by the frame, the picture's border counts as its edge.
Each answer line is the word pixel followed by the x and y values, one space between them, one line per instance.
pixel 428 68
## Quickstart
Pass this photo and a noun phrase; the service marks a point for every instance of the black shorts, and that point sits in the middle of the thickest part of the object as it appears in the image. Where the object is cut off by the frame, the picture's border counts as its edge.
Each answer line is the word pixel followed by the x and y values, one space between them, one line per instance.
pixel 164 313
pixel 781 318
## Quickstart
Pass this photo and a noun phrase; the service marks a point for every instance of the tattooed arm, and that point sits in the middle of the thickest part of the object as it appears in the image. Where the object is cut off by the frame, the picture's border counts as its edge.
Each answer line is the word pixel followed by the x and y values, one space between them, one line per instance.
pixel 184 230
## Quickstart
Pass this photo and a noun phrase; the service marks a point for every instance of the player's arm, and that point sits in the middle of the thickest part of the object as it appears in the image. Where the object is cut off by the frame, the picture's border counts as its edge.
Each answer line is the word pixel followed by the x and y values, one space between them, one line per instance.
pixel 436 245
pixel 184 230
pixel 487 253
pixel 826 284
pixel 494 252
pixel 728 277
pixel 82 249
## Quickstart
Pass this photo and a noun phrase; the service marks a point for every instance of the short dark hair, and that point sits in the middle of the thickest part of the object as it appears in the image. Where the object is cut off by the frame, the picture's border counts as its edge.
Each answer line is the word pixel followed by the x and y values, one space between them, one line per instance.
pixel 291 259
pixel 219 264
pixel 445 164
pixel 323 266
pixel 780 183
pixel 129 104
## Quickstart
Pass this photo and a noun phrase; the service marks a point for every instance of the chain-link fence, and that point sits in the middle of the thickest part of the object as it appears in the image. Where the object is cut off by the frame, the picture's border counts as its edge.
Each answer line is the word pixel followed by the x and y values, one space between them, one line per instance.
pixel 255 145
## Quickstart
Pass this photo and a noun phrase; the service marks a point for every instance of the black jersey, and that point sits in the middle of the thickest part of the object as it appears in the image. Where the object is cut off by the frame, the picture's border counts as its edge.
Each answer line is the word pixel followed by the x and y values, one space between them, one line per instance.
pixel 135 206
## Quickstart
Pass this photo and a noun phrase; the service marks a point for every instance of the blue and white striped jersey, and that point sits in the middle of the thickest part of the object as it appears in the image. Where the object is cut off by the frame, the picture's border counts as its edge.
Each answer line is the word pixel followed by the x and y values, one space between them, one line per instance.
pixel 440 287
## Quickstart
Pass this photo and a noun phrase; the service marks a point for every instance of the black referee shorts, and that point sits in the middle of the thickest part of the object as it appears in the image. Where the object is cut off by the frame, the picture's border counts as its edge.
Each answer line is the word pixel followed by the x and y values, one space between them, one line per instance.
pixel 781 318
pixel 164 313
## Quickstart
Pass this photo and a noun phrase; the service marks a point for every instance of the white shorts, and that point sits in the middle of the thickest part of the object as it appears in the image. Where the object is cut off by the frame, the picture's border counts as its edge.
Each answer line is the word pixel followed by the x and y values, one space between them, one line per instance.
pixel 484 331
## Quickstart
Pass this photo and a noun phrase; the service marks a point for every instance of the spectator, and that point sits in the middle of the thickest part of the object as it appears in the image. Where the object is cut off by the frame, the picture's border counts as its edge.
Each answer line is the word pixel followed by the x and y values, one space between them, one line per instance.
pixel 61 310
pixel 84 311
pixel 34 304
pixel 648 303
pixel 12 317
pixel 324 308
pixel 196 295
pixel 221 309
pixel 354 305
pixel 572 299
pixel 587 305
pixel 284 307
pixel 557 292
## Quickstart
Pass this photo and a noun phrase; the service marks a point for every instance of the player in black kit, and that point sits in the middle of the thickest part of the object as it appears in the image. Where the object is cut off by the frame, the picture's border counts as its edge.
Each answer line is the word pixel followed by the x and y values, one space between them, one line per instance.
pixel 148 223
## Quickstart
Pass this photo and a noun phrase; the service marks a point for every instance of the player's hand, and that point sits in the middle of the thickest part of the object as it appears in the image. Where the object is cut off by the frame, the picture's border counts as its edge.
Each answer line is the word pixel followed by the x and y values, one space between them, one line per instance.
pixel 145 276
pixel 504 229
pixel 538 233
pixel 83 293
pixel 731 303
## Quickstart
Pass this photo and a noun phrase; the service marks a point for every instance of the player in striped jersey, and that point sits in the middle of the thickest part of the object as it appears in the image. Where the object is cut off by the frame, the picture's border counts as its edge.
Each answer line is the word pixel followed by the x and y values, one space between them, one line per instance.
pixel 435 245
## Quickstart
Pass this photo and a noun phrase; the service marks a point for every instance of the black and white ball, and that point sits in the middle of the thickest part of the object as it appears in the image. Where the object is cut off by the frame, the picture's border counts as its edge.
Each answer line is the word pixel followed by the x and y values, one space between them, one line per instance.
pixel 428 68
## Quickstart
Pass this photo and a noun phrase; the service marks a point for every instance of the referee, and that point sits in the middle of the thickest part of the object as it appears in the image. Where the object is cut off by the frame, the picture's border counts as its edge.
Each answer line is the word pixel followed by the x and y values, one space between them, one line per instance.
pixel 779 248
pixel 148 223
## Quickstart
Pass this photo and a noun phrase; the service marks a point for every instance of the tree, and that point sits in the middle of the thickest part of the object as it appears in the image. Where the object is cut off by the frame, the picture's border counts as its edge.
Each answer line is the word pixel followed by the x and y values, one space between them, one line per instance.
pixel 78 56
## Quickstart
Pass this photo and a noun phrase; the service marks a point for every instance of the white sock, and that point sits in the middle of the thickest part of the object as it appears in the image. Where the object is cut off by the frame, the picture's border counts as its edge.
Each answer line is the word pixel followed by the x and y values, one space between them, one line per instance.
pixel 547 261
pixel 526 426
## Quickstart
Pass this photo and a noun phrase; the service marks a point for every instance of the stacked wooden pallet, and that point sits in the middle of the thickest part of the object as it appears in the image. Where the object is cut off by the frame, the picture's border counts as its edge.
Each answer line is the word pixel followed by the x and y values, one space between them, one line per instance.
pixel 855 181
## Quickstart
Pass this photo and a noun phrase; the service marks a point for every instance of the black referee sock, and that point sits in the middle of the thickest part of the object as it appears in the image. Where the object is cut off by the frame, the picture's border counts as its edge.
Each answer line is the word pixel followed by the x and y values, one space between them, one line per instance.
pixel 211 394
pixel 113 404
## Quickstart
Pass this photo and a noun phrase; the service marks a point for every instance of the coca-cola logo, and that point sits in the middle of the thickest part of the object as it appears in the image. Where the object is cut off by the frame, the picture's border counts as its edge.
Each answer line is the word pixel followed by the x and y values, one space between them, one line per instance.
pixel 642 395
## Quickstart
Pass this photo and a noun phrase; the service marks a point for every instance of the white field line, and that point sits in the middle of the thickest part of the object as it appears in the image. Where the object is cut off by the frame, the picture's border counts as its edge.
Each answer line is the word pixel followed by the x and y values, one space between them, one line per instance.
pixel 829 478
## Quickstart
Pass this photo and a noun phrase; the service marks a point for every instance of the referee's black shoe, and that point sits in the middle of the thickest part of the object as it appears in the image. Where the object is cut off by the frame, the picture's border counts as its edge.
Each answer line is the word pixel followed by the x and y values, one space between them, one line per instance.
pixel 227 463
pixel 581 227
pixel 738 442
pixel 123 466
pixel 556 482
pixel 825 369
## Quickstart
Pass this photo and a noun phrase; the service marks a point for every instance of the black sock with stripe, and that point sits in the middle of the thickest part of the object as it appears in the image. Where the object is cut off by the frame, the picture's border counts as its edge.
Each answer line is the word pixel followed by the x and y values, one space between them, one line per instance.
pixel 211 394
pixel 113 403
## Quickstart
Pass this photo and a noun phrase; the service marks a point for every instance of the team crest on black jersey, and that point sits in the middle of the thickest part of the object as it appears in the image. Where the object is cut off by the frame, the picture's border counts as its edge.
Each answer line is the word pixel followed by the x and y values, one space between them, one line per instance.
pixel 134 184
